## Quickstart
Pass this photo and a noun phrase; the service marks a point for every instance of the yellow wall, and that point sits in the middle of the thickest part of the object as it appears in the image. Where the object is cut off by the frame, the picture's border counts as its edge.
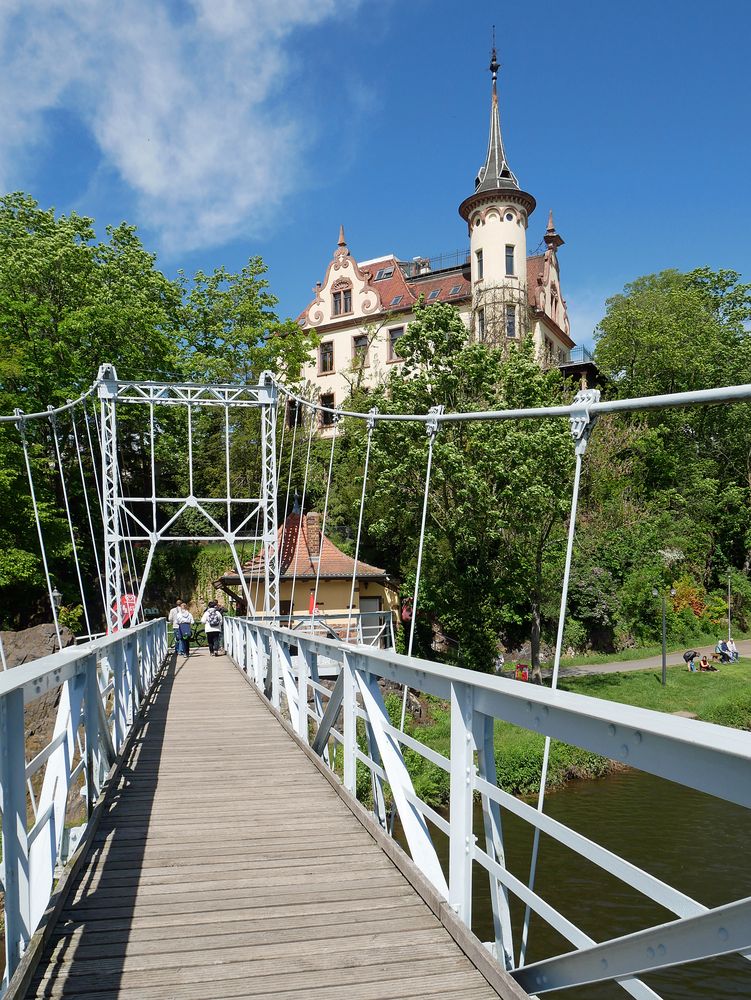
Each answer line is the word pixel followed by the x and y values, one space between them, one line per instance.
pixel 333 595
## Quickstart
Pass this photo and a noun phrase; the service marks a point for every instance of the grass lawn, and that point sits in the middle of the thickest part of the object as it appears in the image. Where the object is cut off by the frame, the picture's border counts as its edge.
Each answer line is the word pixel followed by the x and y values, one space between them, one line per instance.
pixel 723 697
pixel 643 652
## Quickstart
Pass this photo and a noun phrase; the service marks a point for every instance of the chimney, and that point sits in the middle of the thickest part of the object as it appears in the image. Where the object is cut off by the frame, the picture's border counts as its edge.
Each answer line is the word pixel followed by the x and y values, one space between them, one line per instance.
pixel 314 534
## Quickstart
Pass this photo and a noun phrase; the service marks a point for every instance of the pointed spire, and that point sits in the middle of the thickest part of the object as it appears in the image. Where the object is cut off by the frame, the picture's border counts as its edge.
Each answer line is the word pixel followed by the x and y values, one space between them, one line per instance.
pixel 342 242
pixel 551 237
pixel 495 172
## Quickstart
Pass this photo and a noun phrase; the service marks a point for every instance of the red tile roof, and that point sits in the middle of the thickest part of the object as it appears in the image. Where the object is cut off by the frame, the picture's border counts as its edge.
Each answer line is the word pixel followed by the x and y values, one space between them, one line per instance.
pixel 295 559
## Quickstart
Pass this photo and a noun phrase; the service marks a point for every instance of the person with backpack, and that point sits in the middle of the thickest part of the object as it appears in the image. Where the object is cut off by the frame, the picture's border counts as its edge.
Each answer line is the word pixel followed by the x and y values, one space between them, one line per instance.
pixel 184 622
pixel 213 624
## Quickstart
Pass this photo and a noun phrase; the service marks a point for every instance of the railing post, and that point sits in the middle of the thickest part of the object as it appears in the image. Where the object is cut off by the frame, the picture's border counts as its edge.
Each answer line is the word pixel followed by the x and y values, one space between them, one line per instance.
pixel 275 686
pixel 15 843
pixel 350 725
pixel 91 722
pixel 303 676
pixel 494 846
pixel 462 784
pixel 120 677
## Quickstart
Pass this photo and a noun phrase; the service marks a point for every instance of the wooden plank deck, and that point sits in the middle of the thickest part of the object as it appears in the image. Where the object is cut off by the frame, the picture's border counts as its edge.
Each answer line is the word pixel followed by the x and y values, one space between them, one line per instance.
pixel 227 866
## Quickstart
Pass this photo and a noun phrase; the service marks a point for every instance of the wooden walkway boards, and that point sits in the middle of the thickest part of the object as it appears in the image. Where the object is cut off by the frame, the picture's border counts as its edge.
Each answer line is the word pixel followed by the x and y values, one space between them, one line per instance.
pixel 227 866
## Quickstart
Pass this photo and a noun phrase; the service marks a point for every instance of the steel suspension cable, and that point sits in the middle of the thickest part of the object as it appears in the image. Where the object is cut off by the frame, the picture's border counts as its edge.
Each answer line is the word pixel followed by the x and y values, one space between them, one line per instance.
pixel 85 492
pixel 300 534
pixel 52 411
pixel 432 430
pixel 325 514
pixel 371 424
pixel 554 684
pixel 66 503
pixel 21 427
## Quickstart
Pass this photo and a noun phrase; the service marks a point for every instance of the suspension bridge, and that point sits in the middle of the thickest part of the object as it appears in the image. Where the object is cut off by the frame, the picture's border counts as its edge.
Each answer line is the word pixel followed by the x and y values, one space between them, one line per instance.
pixel 201 826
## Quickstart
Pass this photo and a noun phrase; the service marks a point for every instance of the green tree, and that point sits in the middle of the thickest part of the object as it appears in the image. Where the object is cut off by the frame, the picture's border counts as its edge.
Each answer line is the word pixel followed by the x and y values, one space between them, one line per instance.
pixel 499 491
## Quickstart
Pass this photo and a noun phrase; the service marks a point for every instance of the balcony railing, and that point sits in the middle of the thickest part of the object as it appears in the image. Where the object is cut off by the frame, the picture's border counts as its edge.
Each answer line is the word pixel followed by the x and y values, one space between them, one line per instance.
pixel 427 265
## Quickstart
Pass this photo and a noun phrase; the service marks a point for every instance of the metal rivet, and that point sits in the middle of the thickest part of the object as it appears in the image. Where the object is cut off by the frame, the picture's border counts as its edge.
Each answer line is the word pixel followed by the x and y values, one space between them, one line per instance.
pixel 650 953
pixel 661 950
pixel 722 934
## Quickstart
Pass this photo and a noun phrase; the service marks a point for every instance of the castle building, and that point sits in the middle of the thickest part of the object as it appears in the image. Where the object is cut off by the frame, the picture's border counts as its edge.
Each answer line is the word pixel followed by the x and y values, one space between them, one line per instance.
pixel 361 308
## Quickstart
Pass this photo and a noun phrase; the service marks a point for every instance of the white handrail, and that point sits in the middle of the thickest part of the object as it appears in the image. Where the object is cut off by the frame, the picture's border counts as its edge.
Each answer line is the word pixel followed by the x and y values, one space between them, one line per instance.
pixel 711 758
pixel 129 661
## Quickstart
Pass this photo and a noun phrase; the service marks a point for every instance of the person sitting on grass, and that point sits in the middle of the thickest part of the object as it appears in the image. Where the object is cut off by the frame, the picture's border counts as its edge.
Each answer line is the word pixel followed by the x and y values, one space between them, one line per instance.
pixel 704 664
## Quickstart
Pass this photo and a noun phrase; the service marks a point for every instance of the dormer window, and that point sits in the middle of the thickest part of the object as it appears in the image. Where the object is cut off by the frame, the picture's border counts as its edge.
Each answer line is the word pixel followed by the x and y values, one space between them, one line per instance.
pixel 384 272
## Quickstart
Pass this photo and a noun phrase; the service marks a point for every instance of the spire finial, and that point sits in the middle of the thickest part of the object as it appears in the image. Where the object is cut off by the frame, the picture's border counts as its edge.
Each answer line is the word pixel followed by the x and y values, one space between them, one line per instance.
pixel 342 241
pixel 494 64
pixel 551 237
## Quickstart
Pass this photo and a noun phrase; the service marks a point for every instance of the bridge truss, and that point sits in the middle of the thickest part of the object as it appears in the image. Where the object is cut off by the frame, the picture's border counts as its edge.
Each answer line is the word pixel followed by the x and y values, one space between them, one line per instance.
pixel 130 519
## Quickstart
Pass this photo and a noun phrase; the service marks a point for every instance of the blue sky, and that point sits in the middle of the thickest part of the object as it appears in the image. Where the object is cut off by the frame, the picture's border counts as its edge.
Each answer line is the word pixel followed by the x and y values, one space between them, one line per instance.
pixel 229 128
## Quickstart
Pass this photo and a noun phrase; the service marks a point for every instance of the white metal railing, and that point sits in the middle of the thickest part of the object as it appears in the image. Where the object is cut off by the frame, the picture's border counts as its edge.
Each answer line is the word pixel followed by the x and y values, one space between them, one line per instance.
pixel 365 628
pixel 101 685
pixel 284 665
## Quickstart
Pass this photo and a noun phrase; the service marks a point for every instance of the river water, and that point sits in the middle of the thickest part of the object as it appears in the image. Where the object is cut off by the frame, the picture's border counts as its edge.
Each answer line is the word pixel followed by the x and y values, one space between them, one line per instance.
pixel 692 841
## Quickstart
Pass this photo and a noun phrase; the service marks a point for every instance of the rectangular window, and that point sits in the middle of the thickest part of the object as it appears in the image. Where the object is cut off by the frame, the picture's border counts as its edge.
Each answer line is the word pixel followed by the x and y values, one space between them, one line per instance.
pixel 510 260
pixel 510 321
pixel 326 357
pixel 455 289
pixel 480 271
pixel 434 294
pixel 294 413
pixel 360 349
pixel 342 302
pixel 394 336
pixel 327 419
pixel 481 324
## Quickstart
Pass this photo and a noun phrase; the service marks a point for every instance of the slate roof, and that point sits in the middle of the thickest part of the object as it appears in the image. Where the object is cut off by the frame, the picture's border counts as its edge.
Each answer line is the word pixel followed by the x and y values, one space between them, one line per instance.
pixel 296 561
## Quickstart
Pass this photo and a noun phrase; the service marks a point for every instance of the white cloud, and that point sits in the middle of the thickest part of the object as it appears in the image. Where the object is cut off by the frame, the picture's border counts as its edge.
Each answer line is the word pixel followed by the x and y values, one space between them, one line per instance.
pixel 184 102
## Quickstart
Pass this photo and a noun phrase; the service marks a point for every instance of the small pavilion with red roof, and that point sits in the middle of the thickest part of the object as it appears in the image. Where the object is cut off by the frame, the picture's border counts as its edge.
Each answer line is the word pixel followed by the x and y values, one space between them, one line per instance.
pixel 311 566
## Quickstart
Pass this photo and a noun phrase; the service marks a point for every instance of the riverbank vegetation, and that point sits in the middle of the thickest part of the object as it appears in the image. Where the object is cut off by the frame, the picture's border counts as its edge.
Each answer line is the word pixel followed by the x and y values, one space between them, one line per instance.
pixel 723 698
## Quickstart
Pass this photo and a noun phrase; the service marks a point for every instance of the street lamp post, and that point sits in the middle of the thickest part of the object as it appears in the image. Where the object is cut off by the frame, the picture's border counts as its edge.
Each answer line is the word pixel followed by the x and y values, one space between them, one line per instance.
pixel 656 593
pixel 57 599
pixel 729 636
